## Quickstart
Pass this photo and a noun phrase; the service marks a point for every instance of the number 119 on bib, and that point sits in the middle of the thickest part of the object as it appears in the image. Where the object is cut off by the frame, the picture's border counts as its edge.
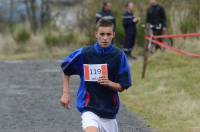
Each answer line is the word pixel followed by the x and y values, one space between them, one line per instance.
pixel 92 72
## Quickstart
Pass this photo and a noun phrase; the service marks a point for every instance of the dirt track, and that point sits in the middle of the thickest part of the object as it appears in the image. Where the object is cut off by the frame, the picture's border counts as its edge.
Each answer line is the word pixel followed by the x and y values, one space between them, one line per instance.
pixel 29 94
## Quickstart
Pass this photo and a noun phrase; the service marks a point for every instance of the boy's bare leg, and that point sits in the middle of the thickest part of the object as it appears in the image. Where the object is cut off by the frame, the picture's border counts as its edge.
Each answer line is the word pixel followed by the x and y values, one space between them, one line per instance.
pixel 91 129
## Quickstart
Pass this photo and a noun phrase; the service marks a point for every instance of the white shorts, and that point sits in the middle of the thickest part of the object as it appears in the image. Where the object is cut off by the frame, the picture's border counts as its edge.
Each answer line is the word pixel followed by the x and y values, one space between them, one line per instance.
pixel 103 125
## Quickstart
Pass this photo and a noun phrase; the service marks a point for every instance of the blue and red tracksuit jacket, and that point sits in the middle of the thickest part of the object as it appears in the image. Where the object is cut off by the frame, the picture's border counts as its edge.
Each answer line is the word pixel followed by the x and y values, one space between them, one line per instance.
pixel 92 96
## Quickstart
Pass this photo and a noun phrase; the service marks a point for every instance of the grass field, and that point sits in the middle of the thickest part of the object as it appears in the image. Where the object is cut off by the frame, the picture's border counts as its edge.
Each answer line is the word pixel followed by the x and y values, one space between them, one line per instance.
pixel 168 99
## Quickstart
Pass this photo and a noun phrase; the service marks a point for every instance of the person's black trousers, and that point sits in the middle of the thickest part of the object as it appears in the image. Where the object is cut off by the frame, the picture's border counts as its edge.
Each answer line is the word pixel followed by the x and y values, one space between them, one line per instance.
pixel 129 42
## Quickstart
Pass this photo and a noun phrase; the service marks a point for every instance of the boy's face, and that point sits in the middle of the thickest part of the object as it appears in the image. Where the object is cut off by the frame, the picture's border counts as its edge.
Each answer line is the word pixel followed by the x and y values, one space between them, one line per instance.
pixel 104 36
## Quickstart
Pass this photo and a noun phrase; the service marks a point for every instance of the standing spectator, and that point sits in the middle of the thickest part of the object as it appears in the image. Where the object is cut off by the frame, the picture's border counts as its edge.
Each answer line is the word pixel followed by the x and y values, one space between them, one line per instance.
pixel 106 13
pixel 129 24
pixel 156 17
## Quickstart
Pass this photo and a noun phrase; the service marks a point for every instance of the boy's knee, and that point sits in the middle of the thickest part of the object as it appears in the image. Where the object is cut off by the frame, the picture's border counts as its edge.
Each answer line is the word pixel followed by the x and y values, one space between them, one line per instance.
pixel 91 129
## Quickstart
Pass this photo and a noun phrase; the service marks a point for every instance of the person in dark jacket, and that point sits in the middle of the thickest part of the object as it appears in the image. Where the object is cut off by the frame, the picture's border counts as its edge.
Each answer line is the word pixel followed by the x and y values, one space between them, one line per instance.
pixel 156 17
pixel 106 13
pixel 129 24
pixel 104 71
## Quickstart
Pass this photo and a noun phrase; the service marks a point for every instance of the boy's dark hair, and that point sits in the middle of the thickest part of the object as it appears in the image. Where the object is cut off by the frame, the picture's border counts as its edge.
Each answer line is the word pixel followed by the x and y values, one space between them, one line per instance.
pixel 105 3
pixel 104 23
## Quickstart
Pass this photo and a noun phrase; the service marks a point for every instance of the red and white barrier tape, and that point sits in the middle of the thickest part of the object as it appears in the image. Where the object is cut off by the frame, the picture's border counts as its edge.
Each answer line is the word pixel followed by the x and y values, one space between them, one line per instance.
pixel 178 36
pixel 177 51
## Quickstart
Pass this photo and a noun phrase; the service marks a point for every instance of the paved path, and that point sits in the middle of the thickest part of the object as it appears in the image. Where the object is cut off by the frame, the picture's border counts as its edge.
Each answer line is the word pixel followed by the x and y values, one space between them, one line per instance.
pixel 29 100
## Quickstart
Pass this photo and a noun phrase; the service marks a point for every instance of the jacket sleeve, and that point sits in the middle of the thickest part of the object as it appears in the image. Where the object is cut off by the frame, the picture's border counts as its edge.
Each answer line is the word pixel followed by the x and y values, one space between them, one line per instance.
pixel 72 64
pixel 98 16
pixel 124 76
pixel 163 17
pixel 127 19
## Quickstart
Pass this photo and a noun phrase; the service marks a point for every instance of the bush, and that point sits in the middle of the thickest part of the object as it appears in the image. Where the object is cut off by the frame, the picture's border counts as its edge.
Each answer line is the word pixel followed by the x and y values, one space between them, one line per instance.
pixel 60 39
pixel 119 38
pixel 188 26
pixel 190 22
pixel 51 40
pixel 67 38
pixel 140 36
pixel 22 36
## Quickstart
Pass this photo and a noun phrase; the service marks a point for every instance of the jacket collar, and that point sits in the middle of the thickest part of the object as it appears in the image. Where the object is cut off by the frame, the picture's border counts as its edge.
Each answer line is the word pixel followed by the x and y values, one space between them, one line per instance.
pixel 101 50
pixel 106 11
pixel 155 5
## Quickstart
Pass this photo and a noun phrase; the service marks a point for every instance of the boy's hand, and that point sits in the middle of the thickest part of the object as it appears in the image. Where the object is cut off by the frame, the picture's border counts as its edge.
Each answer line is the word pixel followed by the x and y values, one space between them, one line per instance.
pixel 104 81
pixel 65 101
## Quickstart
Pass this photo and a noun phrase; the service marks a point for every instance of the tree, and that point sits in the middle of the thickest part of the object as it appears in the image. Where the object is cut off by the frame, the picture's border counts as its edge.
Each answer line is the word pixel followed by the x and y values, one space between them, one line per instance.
pixel 31 8
pixel 45 12
pixel 11 16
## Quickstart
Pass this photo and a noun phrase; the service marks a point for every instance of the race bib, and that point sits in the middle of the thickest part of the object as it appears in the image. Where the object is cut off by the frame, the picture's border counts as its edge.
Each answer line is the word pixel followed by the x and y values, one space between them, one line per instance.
pixel 92 72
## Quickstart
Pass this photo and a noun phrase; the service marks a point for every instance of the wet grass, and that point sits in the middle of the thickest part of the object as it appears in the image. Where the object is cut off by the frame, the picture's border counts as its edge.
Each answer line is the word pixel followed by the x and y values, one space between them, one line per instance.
pixel 168 98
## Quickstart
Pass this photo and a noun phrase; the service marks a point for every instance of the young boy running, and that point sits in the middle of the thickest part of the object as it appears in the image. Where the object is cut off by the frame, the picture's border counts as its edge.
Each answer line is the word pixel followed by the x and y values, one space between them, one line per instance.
pixel 103 71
